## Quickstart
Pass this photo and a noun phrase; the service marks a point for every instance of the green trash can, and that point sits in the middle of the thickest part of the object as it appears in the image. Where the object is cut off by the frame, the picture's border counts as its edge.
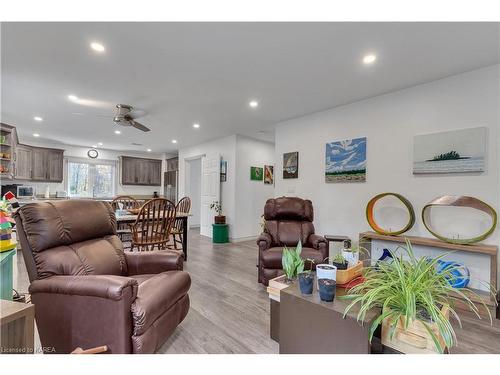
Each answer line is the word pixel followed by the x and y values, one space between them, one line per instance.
pixel 220 233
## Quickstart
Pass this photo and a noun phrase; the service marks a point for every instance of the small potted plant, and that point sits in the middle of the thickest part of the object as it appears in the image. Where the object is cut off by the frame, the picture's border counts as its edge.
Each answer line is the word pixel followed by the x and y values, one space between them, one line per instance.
pixel 340 262
pixel 327 288
pixel 306 279
pixel 217 207
pixel 351 252
pixel 292 263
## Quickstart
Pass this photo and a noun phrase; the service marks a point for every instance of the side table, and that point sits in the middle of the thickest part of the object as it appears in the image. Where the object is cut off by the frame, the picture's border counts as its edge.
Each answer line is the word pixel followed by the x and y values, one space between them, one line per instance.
pixel 220 233
pixel 334 238
pixel 6 274
pixel 17 323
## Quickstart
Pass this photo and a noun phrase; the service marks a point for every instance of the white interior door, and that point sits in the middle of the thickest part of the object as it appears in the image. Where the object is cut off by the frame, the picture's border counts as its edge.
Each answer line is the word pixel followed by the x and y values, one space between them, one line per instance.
pixel 210 191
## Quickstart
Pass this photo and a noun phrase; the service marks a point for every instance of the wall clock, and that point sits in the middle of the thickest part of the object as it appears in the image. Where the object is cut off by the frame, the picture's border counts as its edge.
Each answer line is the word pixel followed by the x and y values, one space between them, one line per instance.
pixel 92 153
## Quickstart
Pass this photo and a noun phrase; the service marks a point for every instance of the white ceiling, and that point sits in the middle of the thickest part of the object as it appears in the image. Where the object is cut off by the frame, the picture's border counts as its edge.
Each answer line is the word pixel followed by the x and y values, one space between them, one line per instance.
pixel 182 73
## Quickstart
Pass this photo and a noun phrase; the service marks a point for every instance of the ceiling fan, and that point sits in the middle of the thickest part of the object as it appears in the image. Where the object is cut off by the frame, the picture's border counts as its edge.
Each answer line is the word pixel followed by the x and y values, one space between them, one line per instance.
pixel 126 117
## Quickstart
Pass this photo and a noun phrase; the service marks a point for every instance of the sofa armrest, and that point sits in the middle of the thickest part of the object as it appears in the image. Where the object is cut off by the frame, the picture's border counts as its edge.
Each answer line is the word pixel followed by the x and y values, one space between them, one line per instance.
pixel 104 286
pixel 84 311
pixel 154 261
pixel 264 241
pixel 319 243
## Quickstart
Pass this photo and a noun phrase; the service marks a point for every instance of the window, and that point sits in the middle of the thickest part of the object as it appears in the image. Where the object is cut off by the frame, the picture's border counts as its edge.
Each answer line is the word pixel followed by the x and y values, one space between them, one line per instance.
pixel 91 180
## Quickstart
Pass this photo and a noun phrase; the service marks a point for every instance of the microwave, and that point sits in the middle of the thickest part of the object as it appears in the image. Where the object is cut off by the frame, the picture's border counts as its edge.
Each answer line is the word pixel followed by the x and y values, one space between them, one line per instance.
pixel 25 191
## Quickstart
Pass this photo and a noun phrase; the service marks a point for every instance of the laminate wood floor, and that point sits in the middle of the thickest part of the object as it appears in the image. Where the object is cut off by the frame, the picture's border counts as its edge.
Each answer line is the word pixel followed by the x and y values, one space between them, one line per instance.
pixel 229 310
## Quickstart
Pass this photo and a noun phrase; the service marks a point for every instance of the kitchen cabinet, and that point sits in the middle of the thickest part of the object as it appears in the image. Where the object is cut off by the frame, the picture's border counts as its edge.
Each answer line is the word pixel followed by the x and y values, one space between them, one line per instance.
pixel 23 160
pixel 47 164
pixel 140 171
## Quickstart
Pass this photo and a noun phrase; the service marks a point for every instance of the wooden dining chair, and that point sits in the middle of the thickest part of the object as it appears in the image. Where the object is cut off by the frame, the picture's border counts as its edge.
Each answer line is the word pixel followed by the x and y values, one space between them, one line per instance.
pixel 126 202
pixel 184 206
pixel 153 224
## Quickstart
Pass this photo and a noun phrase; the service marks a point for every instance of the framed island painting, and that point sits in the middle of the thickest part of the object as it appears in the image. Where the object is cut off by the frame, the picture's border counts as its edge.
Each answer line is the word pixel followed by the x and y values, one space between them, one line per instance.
pixel 345 161
pixel 457 151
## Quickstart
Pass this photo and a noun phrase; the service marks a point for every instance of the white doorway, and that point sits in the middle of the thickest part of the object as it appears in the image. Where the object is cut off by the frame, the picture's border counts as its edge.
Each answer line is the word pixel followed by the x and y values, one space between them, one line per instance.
pixel 193 190
pixel 210 191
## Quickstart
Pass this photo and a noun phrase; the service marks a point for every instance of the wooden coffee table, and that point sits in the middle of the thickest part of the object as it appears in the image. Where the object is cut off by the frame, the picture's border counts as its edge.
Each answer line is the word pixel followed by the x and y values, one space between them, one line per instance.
pixel 311 326
pixel 303 324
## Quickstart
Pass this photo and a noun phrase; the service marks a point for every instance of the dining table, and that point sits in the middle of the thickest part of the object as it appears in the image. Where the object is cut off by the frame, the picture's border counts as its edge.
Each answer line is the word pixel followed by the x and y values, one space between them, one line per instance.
pixel 182 216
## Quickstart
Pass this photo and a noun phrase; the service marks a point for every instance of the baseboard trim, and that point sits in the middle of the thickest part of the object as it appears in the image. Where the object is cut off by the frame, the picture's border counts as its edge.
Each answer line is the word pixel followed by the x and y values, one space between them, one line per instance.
pixel 242 239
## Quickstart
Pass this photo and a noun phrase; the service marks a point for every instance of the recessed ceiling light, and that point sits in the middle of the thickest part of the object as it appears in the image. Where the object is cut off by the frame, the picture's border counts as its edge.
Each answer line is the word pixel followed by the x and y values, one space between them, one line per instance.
pixel 149 150
pixel 118 132
pixel 73 98
pixel 38 118
pixel 174 140
pixel 253 103
pixel 196 126
pixel 94 146
pixel 369 59
pixel 98 47
pixel 36 135
pixel 100 143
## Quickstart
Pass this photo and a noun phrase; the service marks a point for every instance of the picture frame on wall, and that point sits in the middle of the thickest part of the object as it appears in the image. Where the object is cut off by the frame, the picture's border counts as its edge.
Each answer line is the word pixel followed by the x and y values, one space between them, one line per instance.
pixel 269 174
pixel 256 173
pixel 455 151
pixel 345 161
pixel 291 165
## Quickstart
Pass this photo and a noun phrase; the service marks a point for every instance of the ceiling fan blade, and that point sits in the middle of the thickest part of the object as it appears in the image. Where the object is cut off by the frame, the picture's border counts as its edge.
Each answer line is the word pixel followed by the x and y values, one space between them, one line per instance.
pixel 87 114
pixel 139 126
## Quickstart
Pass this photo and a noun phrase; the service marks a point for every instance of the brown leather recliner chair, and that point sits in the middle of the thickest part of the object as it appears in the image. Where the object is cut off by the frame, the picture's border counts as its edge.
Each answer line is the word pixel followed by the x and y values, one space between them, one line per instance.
pixel 87 292
pixel 288 220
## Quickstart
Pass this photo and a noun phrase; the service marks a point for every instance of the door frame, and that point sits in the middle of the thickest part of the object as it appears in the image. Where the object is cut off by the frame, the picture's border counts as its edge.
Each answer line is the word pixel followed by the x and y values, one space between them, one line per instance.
pixel 187 180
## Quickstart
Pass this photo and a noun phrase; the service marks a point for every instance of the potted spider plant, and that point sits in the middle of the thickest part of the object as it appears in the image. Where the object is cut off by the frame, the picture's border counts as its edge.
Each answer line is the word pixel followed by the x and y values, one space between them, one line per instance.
pixel 217 207
pixel 292 262
pixel 417 299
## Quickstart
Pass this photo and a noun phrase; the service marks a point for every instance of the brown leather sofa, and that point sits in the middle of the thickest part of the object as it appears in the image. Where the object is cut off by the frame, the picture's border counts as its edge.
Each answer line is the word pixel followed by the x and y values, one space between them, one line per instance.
pixel 87 291
pixel 288 220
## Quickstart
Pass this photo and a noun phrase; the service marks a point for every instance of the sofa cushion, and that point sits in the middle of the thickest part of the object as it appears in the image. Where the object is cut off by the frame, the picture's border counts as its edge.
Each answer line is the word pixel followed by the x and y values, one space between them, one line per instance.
pixel 271 258
pixel 288 208
pixel 60 223
pixel 289 232
pixel 156 295
pixel 100 256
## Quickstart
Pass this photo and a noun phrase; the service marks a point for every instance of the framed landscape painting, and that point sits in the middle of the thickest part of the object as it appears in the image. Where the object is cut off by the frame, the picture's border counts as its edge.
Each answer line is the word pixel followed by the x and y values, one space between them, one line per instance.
pixel 291 165
pixel 457 151
pixel 268 174
pixel 256 173
pixel 345 161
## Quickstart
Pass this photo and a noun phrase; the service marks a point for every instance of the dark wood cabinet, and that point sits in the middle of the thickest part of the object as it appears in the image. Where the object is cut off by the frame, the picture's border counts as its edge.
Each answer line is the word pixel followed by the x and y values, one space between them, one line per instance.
pixel 22 163
pixel 140 171
pixel 38 164
pixel 47 164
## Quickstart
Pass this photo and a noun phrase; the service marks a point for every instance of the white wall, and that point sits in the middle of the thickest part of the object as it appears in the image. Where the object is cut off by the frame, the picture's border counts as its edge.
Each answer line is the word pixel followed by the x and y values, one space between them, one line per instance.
pixel 226 147
pixel 194 191
pixel 251 195
pixel 242 200
pixel 389 122
pixel 81 152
